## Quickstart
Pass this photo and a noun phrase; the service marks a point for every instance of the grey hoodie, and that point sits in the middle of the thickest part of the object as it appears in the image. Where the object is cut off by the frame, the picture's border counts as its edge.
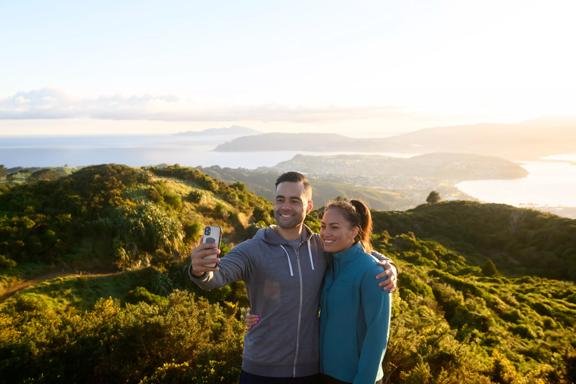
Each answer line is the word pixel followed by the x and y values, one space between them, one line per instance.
pixel 283 280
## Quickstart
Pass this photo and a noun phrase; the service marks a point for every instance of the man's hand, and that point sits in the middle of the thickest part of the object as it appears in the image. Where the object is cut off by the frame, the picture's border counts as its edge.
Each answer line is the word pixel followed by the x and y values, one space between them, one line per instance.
pixel 390 274
pixel 204 259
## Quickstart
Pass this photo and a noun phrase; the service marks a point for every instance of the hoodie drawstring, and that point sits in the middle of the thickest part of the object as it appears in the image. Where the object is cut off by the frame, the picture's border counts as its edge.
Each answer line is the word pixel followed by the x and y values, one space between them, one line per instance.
pixel 310 254
pixel 289 262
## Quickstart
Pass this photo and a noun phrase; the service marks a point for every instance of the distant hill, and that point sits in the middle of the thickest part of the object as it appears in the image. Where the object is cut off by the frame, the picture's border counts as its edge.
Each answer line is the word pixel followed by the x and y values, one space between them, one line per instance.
pixel 295 142
pixel 385 183
pixel 262 180
pixel 234 130
pixel 521 141
pixel 375 170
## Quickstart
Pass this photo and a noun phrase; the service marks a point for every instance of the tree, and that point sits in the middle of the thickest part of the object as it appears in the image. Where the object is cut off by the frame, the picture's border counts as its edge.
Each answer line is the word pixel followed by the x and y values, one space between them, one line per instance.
pixel 489 268
pixel 433 197
pixel 2 171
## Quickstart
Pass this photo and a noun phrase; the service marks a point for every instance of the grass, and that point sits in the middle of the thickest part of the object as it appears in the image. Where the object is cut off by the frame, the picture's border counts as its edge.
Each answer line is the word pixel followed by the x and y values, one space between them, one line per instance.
pixel 83 290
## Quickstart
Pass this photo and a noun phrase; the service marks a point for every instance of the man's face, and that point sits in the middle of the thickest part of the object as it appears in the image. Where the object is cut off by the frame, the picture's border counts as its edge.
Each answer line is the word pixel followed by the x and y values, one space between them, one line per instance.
pixel 291 205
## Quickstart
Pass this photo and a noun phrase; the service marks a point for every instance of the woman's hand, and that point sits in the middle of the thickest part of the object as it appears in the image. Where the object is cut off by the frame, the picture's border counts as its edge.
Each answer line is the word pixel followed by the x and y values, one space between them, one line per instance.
pixel 251 320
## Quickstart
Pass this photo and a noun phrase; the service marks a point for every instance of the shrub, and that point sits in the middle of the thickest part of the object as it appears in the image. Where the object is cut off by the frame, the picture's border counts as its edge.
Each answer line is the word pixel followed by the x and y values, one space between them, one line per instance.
pixel 7 263
pixel 144 228
pixel 410 282
pixel 194 197
pixel 523 331
pixel 192 231
pixel 489 268
pixel 220 211
pixel 141 294
pixel 124 345
pixel 503 371
pixel 261 214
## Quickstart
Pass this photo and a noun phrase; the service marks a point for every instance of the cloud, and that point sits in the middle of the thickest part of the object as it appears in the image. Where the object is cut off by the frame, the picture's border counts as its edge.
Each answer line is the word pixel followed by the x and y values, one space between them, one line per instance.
pixel 36 104
pixel 53 104
pixel 49 103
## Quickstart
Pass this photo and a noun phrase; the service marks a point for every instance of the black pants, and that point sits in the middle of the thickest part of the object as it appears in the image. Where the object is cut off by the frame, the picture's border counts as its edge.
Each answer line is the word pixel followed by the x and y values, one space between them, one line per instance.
pixel 248 378
pixel 330 380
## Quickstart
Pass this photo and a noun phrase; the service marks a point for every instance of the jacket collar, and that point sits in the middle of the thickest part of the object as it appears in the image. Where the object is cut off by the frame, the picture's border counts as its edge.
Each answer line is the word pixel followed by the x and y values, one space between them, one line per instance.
pixel 349 253
pixel 271 236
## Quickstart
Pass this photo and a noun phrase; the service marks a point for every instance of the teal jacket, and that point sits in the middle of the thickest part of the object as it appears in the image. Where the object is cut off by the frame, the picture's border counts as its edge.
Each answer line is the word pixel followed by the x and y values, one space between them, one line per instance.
pixel 354 318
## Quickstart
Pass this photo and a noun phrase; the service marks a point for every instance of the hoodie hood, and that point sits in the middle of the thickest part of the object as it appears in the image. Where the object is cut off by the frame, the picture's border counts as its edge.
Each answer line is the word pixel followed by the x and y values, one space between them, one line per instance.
pixel 271 236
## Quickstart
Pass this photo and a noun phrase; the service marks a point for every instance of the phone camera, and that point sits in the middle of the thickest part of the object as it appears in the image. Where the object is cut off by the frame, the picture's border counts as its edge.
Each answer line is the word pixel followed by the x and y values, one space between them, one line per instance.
pixel 207 230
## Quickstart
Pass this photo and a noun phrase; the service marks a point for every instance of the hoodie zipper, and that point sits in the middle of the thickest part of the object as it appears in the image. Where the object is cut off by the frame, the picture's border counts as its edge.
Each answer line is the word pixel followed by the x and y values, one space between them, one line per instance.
pixel 299 312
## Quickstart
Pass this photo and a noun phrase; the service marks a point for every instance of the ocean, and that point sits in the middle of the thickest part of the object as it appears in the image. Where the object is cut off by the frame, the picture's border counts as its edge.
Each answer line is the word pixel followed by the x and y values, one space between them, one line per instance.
pixel 53 151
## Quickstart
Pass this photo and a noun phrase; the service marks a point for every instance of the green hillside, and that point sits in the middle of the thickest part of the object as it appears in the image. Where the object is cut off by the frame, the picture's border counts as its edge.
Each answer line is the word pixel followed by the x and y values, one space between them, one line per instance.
pixel 112 302
pixel 457 322
pixel 518 241
pixel 113 217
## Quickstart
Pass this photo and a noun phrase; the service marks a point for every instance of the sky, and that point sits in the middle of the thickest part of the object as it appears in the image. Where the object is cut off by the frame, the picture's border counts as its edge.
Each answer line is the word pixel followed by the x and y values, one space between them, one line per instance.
pixel 360 68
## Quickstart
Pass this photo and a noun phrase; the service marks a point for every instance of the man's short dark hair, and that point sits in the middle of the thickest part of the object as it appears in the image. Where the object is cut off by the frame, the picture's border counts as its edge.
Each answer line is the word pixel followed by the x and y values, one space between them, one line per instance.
pixel 294 177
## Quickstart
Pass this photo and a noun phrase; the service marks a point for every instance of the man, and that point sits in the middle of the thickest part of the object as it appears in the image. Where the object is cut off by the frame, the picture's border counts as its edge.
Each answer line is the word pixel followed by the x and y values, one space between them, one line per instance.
pixel 283 267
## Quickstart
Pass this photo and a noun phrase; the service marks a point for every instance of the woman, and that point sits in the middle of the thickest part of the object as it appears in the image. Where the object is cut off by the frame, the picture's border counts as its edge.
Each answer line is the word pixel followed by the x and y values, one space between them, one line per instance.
pixel 355 313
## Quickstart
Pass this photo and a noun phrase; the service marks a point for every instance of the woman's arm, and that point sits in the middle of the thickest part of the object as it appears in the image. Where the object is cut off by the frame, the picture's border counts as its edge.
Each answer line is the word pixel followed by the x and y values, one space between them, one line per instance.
pixel 376 307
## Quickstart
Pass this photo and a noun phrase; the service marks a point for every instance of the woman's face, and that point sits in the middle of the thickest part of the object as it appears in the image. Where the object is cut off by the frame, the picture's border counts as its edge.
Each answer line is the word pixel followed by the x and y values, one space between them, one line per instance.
pixel 336 232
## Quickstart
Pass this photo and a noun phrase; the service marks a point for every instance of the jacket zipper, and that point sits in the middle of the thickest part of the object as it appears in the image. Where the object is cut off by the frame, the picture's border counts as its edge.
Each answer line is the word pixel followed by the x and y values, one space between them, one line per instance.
pixel 299 313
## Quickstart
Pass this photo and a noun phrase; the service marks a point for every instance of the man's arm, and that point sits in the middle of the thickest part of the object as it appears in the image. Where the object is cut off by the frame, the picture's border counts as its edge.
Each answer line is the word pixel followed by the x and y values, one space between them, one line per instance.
pixel 390 275
pixel 206 275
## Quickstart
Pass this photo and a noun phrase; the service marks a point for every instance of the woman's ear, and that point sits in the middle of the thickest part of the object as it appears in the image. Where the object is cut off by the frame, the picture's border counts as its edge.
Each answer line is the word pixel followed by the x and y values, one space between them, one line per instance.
pixel 356 232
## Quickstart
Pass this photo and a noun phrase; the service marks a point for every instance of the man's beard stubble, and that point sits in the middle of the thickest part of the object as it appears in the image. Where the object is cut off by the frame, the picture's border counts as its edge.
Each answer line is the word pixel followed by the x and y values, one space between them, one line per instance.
pixel 292 223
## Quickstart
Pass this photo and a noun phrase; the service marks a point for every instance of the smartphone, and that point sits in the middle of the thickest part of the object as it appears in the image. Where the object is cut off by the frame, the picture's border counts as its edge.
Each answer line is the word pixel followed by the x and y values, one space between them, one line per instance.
pixel 212 235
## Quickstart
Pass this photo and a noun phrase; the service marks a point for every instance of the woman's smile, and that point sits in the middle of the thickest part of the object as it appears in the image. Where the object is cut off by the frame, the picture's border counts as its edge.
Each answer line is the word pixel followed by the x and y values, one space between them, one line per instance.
pixel 335 232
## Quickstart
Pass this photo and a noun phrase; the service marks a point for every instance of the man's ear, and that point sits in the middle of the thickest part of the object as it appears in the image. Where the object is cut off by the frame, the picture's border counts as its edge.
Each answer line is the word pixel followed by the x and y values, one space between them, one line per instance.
pixel 310 206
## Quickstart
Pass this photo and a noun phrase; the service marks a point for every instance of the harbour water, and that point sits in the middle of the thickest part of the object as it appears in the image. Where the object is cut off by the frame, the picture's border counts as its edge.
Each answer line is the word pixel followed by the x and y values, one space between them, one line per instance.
pixel 550 183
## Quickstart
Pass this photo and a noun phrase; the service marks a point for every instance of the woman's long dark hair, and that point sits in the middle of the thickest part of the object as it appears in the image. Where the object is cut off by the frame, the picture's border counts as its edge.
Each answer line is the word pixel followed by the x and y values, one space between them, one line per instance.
pixel 357 213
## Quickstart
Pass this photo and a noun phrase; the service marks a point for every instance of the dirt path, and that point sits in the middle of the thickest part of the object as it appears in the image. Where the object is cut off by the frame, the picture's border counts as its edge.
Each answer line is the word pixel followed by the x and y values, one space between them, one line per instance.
pixel 23 284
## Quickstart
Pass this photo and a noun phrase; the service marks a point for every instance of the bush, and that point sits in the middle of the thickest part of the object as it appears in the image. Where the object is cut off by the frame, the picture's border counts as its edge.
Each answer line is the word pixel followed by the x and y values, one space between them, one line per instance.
pixel 195 197
pixel 410 282
pixel 523 331
pixel 7 263
pixel 489 268
pixel 141 294
pixel 144 229
pixel 123 345
pixel 261 214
